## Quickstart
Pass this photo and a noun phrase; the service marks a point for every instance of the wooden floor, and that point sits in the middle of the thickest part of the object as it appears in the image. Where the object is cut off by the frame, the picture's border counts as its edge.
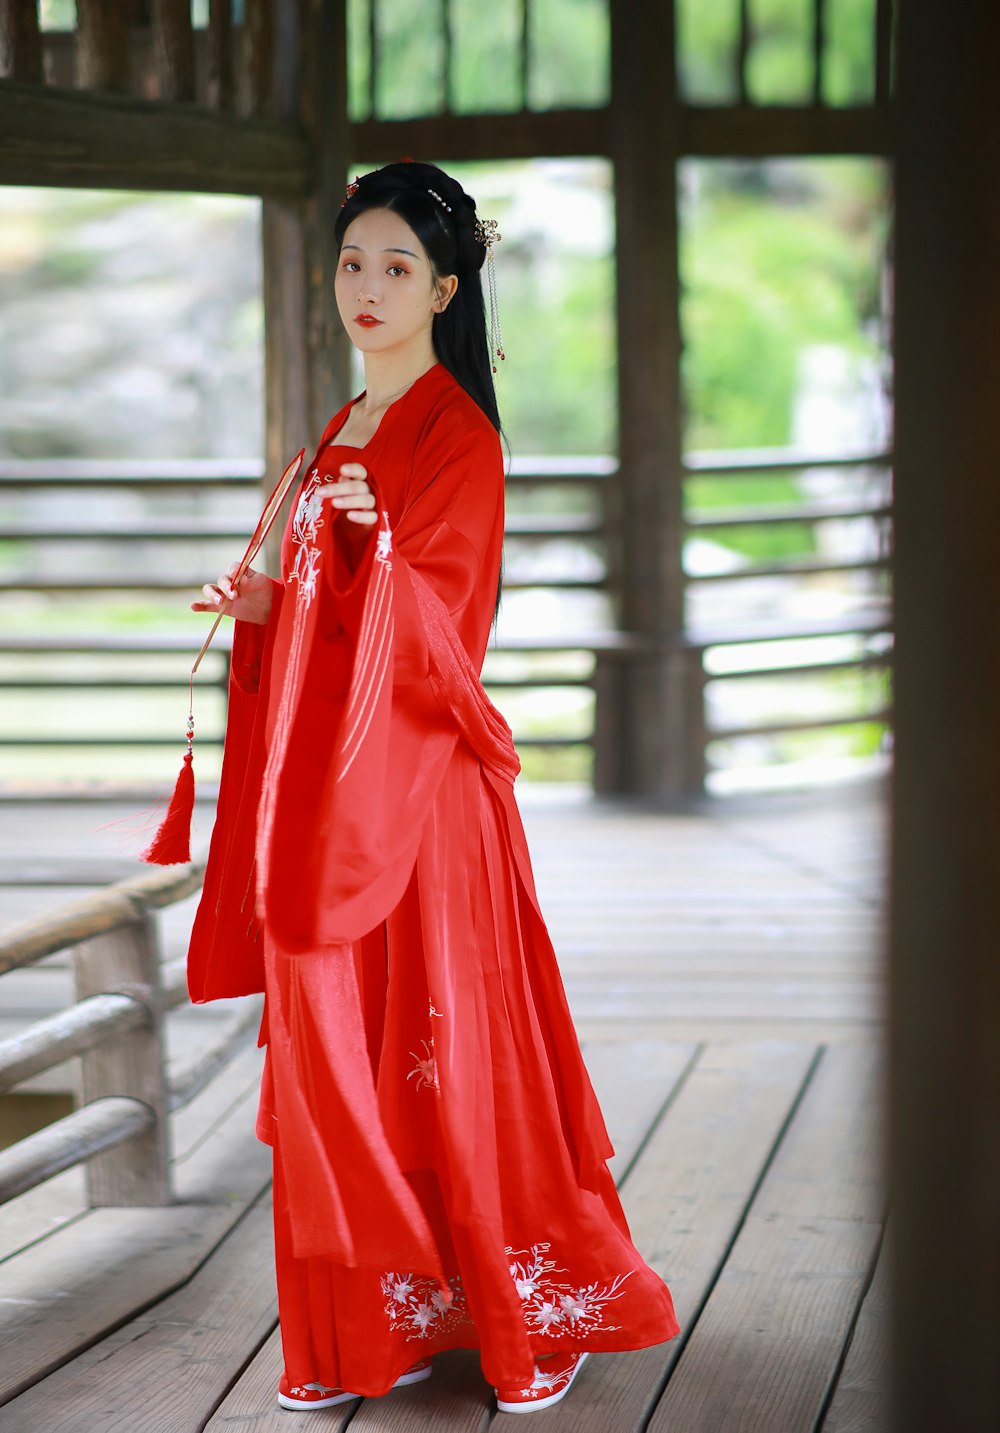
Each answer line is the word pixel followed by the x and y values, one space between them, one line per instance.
pixel 724 970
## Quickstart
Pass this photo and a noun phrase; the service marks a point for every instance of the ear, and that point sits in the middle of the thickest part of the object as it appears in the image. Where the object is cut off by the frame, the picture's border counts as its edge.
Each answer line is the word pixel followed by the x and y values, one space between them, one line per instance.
pixel 444 291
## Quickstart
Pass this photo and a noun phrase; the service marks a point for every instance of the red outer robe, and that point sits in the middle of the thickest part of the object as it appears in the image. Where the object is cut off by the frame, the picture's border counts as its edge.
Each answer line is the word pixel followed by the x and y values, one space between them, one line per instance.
pixel 440 1156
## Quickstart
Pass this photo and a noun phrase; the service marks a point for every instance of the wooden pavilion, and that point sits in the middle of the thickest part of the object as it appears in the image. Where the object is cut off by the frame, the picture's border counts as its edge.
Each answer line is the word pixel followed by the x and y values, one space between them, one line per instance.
pixel 137 99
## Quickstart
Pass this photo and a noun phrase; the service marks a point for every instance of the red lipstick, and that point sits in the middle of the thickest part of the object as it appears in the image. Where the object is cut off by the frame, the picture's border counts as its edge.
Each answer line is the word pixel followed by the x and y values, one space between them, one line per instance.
pixel 367 320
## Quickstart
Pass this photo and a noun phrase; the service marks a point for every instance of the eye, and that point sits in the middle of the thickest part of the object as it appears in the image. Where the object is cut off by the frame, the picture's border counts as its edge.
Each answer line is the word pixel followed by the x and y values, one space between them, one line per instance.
pixel 351 264
pixel 396 269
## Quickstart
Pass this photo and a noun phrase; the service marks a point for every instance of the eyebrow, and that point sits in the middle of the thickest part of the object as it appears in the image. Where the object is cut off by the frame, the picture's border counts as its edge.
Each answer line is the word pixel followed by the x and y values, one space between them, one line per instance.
pixel 385 251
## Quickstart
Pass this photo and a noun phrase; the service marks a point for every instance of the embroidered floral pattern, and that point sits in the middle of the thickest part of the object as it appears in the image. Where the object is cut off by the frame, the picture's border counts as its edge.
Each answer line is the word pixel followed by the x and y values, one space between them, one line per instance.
pixel 383 542
pixel 418 1307
pixel 552 1307
pixel 425 1069
pixel 306 522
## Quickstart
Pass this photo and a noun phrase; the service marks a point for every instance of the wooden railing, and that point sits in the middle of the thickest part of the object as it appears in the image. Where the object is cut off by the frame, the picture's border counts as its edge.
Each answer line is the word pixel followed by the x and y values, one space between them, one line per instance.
pixel 116 1028
pixel 544 663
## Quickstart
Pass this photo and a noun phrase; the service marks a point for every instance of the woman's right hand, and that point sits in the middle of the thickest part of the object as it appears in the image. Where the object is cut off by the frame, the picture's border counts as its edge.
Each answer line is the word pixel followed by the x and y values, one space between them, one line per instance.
pixel 250 601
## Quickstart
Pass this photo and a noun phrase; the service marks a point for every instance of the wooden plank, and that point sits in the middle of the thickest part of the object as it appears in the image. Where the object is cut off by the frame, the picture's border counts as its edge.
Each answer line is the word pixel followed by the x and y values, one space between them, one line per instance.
pixel 763 1353
pixel 684 1201
pixel 634 1081
pixel 62 139
pixel 167 1368
pixel 230 1097
pixel 860 1402
pixel 41 1212
pixel 456 1397
pixel 102 1269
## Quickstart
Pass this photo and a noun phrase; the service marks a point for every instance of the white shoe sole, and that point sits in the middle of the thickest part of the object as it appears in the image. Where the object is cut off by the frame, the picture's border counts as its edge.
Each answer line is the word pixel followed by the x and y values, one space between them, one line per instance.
pixel 296 1406
pixel 538 1403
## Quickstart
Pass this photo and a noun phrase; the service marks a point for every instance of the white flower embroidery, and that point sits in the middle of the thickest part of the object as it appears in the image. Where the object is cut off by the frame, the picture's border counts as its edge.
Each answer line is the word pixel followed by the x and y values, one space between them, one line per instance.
pixel 383 543
pixel 551 1306
pixel 425 1069
pixel 306 522
pixel 418 1308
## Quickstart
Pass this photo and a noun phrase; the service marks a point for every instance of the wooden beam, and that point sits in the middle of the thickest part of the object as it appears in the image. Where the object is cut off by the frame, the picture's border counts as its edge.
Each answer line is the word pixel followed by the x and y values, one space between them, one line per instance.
pixel 521 135
pixel 102 49
pixel 54 138
pixel 758 131
pixel 945 881
pixel 746 130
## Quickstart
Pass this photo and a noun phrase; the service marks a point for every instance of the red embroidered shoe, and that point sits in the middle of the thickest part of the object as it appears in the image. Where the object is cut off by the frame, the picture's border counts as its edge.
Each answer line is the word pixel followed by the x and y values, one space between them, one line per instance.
pixel 551 1382
pixel 320 1395
pixel 310 1395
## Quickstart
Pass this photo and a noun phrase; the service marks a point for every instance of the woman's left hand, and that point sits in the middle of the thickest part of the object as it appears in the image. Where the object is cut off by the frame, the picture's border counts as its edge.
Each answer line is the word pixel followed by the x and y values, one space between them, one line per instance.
pixel 352 494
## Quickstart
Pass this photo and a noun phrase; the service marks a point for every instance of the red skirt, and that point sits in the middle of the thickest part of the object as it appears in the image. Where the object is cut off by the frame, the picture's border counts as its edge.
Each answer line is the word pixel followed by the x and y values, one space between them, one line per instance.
pixel 468 1069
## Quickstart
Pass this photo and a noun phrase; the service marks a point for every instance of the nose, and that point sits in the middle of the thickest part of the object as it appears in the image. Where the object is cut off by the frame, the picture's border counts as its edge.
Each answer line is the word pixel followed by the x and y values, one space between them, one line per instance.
pixel 365 296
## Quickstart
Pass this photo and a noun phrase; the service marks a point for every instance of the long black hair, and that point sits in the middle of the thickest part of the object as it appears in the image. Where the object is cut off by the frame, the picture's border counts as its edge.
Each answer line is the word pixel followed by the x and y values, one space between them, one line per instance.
pixel 449 240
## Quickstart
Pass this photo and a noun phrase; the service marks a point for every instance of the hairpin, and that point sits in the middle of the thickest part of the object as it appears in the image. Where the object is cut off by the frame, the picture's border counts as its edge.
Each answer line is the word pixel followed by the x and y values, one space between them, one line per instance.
pixel 488 233
pixel 434 194
pixel 352 189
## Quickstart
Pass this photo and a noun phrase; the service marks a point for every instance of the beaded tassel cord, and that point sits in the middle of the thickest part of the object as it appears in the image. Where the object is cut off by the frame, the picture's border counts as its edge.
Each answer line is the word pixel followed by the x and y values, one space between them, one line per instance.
pixel 172 843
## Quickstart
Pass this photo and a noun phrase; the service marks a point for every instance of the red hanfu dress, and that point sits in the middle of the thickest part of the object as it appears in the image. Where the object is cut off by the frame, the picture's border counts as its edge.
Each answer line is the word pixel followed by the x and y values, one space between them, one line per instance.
pixel 440 1175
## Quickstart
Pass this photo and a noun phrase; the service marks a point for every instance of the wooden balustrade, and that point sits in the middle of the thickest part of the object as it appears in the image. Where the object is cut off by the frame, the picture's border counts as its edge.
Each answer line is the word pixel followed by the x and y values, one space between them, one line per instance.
pixel 116 1029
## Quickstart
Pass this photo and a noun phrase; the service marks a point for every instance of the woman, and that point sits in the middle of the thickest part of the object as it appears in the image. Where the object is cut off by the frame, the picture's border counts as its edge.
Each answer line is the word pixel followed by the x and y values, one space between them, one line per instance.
pixel 440 1175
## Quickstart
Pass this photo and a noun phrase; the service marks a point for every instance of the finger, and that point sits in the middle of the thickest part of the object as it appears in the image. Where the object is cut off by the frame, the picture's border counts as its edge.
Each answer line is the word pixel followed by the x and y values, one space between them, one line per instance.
pixel 343 485
pixel 356 515
pixel 353 470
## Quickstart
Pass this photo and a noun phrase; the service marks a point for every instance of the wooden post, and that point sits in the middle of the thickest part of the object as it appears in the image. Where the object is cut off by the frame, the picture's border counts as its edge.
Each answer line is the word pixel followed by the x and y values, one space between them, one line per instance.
pixel 945 881
pixel 219 84
pixel 20 42
pixel 173 42
pixel 258 42
pixel 102 50
pixel 646 508
pixel 306 350
pixel 126 960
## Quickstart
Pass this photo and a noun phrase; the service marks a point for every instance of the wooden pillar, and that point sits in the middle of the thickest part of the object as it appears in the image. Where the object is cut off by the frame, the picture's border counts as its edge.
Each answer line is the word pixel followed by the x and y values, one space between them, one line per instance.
pixel 173 43
pixel 20 41
pixel 102 51
pixel 126 960
pixel 945 881
pixel 306 350
pixel 650 755
pixel 219 86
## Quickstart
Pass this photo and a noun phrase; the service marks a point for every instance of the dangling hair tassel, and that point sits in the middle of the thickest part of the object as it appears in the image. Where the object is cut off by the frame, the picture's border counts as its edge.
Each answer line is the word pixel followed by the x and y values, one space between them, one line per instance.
pixel 487 233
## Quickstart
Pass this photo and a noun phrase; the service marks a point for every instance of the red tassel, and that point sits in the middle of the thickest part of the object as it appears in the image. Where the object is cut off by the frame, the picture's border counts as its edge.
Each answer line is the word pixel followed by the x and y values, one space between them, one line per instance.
pixel 172 843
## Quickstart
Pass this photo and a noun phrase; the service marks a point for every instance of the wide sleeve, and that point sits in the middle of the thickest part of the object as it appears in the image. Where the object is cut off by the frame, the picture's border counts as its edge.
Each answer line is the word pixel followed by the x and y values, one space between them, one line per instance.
pixel 224 955
pixel 340 850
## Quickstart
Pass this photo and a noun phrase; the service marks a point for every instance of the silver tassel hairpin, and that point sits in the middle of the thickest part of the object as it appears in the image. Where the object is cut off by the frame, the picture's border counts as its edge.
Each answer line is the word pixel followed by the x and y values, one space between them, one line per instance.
pixel 488 234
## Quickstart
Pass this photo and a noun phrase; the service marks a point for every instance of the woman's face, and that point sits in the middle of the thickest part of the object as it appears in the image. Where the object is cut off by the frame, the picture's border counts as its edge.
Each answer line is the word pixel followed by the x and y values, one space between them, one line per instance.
pixel 384 274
